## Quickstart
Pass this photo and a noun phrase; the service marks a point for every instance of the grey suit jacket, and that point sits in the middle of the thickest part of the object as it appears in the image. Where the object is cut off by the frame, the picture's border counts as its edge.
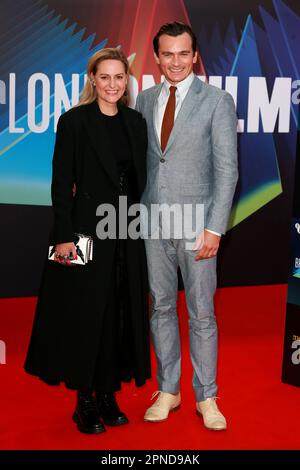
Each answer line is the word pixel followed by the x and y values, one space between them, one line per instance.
pixel 199 164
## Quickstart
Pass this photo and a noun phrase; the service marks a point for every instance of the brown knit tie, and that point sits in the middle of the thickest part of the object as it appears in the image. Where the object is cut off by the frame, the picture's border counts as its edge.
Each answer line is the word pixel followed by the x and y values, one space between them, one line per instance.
pixel 168 119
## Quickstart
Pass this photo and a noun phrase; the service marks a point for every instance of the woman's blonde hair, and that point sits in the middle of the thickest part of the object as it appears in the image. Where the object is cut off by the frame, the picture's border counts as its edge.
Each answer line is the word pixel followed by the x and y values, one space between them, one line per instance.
pixel 89 94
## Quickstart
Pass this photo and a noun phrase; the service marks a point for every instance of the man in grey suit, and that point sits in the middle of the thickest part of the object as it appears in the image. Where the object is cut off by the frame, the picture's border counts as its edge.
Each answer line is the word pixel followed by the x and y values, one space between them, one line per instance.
pixel 192 159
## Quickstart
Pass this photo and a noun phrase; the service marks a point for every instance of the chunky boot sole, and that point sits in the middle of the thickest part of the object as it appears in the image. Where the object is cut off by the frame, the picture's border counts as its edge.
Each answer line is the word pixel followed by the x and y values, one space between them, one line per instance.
pixel 85 429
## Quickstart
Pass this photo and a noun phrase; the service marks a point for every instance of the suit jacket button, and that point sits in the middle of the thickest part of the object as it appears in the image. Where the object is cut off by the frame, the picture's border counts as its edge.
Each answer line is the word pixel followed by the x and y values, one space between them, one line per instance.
pixel 162 160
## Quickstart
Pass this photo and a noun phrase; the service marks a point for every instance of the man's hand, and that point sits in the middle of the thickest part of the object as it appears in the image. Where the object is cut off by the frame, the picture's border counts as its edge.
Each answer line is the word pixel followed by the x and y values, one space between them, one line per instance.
pixel 207 244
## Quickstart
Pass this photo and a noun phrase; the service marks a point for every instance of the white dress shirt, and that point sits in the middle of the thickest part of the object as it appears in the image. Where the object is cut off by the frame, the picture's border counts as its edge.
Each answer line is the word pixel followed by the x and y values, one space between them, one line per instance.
pixel 161 103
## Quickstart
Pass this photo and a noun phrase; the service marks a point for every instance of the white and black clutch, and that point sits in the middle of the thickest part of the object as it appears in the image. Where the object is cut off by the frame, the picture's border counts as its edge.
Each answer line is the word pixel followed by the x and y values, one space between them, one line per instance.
pixel 84 249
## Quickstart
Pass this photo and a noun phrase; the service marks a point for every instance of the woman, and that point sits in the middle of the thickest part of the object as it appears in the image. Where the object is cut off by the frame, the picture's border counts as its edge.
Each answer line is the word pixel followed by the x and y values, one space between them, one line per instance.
pixel 91 324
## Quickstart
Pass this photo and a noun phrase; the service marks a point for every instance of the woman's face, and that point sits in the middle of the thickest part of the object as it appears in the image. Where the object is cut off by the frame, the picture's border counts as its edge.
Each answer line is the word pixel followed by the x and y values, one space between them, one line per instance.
pixel 110 81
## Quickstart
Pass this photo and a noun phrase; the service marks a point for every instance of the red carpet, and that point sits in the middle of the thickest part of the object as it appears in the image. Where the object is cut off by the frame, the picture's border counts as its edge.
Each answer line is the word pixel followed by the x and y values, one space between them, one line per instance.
pixel 262 412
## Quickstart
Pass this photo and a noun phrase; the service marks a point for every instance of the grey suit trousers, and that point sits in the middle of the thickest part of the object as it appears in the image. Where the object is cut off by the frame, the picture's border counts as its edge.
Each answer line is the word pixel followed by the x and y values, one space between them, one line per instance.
pixel 199 277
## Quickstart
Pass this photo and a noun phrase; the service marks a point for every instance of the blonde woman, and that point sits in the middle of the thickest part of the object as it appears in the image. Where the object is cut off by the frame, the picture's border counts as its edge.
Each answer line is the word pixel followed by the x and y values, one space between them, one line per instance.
pixel 91 324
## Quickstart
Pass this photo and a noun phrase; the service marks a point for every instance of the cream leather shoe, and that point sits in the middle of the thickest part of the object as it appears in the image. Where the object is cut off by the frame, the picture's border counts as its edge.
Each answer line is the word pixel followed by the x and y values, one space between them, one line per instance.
pixel 212 417
pixel 165 403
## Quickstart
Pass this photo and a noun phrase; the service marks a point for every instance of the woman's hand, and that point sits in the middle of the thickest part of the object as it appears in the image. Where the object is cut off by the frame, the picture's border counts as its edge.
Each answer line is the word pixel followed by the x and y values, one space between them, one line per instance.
pixel 63 251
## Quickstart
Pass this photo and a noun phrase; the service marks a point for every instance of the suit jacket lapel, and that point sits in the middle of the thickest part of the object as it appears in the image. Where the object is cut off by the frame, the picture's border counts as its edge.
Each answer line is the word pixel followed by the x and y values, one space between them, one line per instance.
pixel 152 107
pixel 131 131
pixel 187 107
pixel 100 141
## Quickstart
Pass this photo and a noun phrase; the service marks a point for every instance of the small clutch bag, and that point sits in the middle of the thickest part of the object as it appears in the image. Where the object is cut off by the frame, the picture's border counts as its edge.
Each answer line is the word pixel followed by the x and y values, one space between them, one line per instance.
pixel 84 249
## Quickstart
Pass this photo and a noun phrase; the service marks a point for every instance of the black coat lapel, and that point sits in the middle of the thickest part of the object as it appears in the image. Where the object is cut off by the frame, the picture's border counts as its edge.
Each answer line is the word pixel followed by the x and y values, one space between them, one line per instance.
pixel 132 131
pixel 100 141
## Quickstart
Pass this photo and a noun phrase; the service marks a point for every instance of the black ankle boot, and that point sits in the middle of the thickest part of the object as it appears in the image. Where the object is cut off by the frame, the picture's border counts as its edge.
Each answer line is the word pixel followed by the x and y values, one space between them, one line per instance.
pixel 109 410
pixel 86 414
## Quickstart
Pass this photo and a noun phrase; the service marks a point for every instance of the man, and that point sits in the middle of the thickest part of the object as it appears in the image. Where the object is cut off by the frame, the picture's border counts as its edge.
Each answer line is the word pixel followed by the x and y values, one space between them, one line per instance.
pixel 192 159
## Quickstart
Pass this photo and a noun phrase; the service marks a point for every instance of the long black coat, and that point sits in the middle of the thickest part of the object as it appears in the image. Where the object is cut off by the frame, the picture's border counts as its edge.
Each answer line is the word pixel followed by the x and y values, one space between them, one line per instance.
pixel 72 300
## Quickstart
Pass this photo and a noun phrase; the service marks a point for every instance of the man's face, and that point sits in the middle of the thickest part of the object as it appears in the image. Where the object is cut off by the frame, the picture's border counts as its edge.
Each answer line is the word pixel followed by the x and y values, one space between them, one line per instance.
pixel 176 57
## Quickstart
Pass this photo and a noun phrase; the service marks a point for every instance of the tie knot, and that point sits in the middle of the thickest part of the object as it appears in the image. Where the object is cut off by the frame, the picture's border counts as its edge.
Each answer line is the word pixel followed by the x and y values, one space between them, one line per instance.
pixel 172 90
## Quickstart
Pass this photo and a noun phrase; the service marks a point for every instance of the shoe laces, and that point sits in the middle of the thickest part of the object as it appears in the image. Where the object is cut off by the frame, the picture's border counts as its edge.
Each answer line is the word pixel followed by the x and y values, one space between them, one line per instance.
pixel 211 399
pixel 213 407
pixel 161 398
pixel 155 394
